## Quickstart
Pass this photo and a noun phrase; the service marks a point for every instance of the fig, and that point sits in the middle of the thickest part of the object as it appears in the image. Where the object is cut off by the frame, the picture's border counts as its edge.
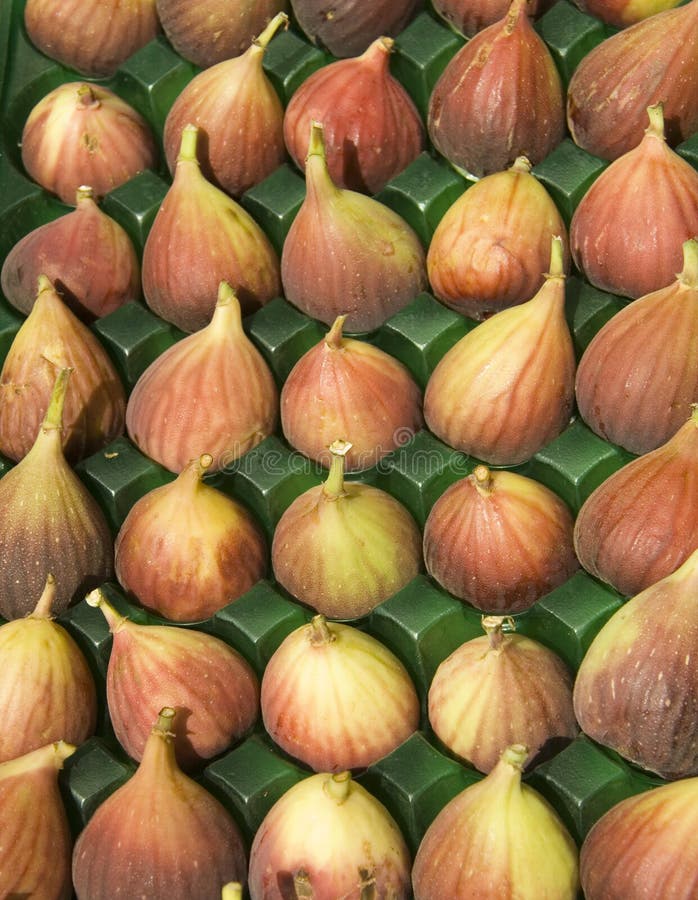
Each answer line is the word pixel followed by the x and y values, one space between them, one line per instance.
pixel 622 13
pixel 44 672
pixel 644 846
pixel 50 524
pixel 614 238
pixel 209 683
pixel 468 17
pixel 85 134
pixel 50 339
pixel 491 247
pixel 499 540
pixel 641 523
pixel 329 818
pixel 510 62
pixel 372 129
pixel 497 838
pixel 187 568
pixel 344 386
pixel 199 238
pixel 629 390
pixel 336 698
pixel 85 253
pixel 211 392
pixel 92 38
pixel 34 832
pixel 506 388
pixel 160 834
pixel 347 28
pixel 348 254
pixel 210 31
pixel 344 547
pixel 654 61
pixel 636 690
pixel 239 116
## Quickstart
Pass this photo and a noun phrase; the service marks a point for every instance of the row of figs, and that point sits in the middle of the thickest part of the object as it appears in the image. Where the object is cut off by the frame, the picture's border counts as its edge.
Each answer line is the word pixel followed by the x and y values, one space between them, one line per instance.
pixel 333 698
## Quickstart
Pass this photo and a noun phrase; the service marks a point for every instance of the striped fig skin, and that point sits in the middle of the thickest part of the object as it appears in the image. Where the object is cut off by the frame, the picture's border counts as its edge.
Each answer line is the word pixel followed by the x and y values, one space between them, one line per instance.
pixel 93 38
pixel 468 18
pixel 641 523
pixel 159 835
pixel 336 698
pixel 34 833
pixel 645 846
pixel 85 134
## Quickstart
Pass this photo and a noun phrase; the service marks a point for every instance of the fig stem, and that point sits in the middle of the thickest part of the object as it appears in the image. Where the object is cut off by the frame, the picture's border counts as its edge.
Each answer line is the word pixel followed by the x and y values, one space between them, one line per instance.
pixel 515 756
pixel 165 721
pixel 556 259
pixel 494 627
pixel 522 164
pixel 333 338
pixel 86 97
pixel 317 174
pixel 320 634
pixel 689 273
pixel 338 786
pixel 482 477
pixel 48 756
pixel 227 316
pixel 378 52
pixel 197 468
pixel 187 147
pixel 513 14
pixel 232 891
pixel 98 598
pixel 53 420
pixel 656 116
pixel 302 888
pixel 42 610
pixel 263 38
pixel 334 486
pixel 84 192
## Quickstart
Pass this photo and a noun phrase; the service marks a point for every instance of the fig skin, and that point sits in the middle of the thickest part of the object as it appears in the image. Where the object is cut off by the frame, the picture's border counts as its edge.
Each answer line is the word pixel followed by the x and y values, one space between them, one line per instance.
pixel 614 238
pixel 177 410
pixel 86 254
pixel 507 387
pixel 199 238
pixel 654 61
pixel 499 540
pixel 641 523
pixel 85 134
pixel 34 831
pixel 186 569
pixel 52 338
pixel 159 835
pixel 343 385
pixel 371 127
pixel 337 698
pixel 622 13
pixel 239 115
pixel 92 38
pixel 44 672
pixel 644 846
pixel 210 31
pixel 636 690
pixel 509 61
pixel 629 390
pixel 467 17
pixel 490 249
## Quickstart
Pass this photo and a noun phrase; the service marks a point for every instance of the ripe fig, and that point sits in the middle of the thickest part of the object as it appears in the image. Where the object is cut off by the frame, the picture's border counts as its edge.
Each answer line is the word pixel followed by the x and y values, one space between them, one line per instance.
pixel 622 13
pixel 630 391
pixel 161 834
pixel 50 524
pixel 205 560
pixel 239 116
pixel 614 234
pixel 50 339
pixel 636 689
pixel 497 838
pixel 371 127
pixel 642 522
pixel 491 247
pixel 510 62
pixel 344 386
pixel 85 134
pixel 468 17
pixel 507 388
pixel 211 392
pixel 208 682
pixel 499 540
pixel 343 548
pixel 654 61
pixel 199 238
pixel 348 254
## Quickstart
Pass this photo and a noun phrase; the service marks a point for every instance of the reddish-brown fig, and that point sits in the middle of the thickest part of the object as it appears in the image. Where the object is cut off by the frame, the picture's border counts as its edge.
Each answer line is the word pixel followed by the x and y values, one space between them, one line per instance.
pixel 93 38
pixel 510 62
pixel 239 116
pixel 467 17
pixel 491 248
pixel 622 13
pixel 371 127
pixel 615 234
pixel 630 390
pixel 642 522
pixel 85 134
pixel 499 540
pixel 654 61
pixel 212 392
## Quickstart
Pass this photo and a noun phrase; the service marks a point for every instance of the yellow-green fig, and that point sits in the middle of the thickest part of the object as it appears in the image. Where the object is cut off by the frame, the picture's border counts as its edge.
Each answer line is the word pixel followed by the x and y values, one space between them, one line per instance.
pixel 623 13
